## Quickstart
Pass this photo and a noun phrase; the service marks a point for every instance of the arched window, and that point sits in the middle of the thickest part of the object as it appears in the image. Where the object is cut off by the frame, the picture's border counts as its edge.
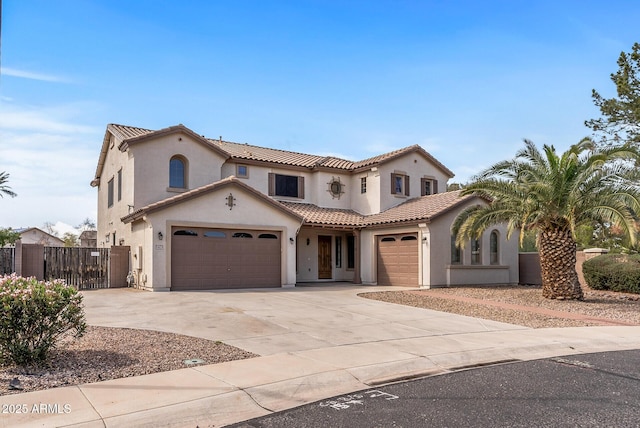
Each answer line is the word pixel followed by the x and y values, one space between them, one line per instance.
pixel 494 256
pixel 456 254
pixel 178 172
pixel 476 255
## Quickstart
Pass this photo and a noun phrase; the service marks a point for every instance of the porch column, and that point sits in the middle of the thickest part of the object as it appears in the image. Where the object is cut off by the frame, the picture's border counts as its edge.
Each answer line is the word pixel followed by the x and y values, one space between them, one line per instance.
pixel 356 272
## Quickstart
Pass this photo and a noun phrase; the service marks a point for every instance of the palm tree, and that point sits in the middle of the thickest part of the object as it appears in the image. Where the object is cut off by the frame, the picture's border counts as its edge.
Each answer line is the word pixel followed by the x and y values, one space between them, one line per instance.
pixel 551 195
pixel 4 187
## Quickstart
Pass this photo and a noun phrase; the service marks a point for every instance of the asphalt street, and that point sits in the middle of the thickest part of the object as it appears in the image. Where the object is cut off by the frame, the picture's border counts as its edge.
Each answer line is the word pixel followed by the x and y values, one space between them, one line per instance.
pixel 587 390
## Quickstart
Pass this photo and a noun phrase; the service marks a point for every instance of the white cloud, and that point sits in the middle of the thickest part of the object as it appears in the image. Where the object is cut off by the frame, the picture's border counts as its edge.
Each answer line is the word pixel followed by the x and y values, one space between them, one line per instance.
pixel 23 74
pixel 41 120
pixel 51 158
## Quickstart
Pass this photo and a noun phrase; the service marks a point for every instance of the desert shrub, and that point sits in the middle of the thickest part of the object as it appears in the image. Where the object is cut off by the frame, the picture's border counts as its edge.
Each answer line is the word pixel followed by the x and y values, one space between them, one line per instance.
pixel 616 272
pixel 33 315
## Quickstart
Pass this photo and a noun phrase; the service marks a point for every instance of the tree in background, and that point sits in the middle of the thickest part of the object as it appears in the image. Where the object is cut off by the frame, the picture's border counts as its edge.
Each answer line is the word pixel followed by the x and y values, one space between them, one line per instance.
pixel 8 236
pixel 553 195
pixel 620 121
pixel 87 224
pixel 48 227
pixel 4 187
pixel 70 239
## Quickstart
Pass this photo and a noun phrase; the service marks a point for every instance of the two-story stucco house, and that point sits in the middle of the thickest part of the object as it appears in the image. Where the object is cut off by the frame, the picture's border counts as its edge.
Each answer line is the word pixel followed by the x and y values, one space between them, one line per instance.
pixel 202 213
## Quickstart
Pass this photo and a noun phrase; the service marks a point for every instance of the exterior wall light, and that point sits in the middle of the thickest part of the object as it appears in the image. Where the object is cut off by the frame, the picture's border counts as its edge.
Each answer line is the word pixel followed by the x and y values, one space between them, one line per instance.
pixel 160 236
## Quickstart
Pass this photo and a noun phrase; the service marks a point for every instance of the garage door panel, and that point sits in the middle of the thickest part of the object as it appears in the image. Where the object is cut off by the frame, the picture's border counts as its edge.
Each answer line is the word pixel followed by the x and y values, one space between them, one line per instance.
pixel 221 258
pixel 398 260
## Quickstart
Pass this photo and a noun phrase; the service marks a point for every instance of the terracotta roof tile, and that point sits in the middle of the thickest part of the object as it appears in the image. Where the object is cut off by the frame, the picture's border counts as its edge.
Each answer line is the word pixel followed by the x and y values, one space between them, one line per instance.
pixel 125 132
pixel 423 208
pixel 314 214
pixel 384 157
pixel 283 157
pixel 265 154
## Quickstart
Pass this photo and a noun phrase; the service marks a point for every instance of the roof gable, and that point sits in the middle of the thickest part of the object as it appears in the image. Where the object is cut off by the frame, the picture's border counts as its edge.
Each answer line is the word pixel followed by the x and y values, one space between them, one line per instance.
pixel 387 157
pixel 200 191
pixel 129 135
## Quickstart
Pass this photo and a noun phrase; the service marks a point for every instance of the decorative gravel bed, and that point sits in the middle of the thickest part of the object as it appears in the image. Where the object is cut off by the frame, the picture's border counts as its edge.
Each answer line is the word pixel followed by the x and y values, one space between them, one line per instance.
pixel 104 353
pixel 597 304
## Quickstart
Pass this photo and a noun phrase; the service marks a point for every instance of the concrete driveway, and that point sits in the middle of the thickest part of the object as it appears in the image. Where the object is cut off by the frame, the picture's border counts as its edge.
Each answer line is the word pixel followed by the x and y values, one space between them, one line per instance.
pixel 272 321
pixel 315 342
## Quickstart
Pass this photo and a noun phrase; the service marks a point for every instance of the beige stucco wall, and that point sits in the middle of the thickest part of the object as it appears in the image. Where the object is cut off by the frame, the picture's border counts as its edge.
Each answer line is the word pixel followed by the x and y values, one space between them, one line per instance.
pixel 416 167
pixel 210 210
pixel 369 202
pixel 152 166
pixel 505 272
pixel 434 252
pixel 109 217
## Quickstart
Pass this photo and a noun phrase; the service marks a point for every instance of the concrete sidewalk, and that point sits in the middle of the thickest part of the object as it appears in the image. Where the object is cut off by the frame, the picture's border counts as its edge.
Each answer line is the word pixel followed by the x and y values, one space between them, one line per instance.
pixel 315 342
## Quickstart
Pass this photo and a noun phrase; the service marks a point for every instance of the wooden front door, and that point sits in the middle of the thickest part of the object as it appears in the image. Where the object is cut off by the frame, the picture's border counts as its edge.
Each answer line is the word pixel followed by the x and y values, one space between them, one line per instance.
pixel 324 257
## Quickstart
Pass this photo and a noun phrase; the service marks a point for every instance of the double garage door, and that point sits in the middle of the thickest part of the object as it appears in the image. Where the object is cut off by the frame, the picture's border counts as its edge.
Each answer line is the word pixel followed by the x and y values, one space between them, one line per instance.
pixel 398 260
pixel 209 259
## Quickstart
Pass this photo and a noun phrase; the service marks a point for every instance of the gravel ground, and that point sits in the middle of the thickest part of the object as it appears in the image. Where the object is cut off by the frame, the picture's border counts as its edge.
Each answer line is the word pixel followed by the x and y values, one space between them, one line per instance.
pixel 598 304
pixel 104 353
pixel 109 353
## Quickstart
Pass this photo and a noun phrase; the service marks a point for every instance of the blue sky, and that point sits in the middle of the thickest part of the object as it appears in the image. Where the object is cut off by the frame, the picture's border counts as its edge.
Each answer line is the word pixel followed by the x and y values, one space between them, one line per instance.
pixel 467 80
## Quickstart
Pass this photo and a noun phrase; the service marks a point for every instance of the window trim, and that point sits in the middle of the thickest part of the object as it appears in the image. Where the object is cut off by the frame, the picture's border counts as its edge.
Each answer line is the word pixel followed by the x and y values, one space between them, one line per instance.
pixel 272 185
pixel 185 164
pixel 119 184
pixel 433 184
pixel 476 251
pixel 238 174
pixel 351 252
pixel 404 182
pixel 456 252
pixel 494 256
pixel 110 193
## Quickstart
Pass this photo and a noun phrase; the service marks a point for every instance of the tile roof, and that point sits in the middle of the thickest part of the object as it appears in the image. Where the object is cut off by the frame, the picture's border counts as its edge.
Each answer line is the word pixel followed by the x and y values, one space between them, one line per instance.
pixel 264 154
pixel 124 132
pixel 248 152
pixel 425 208
pixel 316 215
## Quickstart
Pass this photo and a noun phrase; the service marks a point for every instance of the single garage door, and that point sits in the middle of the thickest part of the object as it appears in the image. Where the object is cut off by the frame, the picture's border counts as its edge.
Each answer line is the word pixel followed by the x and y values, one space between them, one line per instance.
pixel 209 259
pixel 398 260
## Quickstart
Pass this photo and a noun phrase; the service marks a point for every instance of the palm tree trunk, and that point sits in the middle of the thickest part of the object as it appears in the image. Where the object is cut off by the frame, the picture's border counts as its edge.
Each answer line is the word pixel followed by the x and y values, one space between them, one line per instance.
pixel 557 250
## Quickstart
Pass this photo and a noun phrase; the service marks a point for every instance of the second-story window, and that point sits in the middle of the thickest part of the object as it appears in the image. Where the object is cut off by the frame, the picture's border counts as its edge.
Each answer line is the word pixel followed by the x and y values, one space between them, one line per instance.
pixel 400 184
pixel 428 186
pixel 363 185
pixel 120 184
pixel 286 185
pixel 177 173
pixel 242 171
pixel 110 193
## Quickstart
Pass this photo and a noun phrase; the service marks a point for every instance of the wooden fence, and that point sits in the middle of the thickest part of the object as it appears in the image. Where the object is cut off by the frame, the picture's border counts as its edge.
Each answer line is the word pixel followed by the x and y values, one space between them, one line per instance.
pixel 6 261
pixel 83 268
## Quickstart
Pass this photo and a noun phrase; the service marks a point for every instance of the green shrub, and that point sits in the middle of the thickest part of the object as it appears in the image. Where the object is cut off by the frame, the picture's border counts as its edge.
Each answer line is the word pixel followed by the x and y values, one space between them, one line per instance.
pixel 615 272
pixel 33 315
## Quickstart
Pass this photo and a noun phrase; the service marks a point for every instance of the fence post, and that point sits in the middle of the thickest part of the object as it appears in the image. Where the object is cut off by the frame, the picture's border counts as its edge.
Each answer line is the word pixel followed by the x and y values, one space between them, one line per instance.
pixel 17 258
